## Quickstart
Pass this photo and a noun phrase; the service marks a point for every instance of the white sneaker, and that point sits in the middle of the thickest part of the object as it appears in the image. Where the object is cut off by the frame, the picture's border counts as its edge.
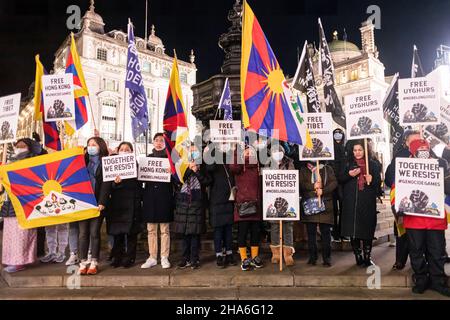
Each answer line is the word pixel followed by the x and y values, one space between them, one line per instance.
pixel 149 263
pixel 60 257
pixel 73 259
pixel 165 263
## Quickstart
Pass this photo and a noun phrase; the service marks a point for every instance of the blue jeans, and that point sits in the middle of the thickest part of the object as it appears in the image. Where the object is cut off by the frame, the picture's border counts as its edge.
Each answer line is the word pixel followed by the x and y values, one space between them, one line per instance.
pixel 223 238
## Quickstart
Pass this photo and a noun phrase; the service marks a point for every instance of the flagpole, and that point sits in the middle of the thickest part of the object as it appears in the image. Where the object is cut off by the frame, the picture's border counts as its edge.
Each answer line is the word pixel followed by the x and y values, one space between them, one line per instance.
pixel 5 148
pixel 92 112
pixel 319 178
pixel 366 151
pixel 281 245
pixel 146 17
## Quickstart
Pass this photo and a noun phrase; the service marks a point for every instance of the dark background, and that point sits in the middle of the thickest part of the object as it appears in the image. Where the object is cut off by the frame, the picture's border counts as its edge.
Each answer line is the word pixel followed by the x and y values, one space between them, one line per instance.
pixel 39 26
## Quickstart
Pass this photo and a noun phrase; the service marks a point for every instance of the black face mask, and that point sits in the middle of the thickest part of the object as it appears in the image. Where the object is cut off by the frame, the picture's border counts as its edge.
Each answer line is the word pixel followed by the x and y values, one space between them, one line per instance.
pixel 423 154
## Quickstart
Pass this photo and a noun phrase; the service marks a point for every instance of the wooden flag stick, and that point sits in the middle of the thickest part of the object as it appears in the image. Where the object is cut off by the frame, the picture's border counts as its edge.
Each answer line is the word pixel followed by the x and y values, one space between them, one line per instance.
pixel 92 112
pixel 281 245
pixel 319 178
pixel 366 153
pixel 5 150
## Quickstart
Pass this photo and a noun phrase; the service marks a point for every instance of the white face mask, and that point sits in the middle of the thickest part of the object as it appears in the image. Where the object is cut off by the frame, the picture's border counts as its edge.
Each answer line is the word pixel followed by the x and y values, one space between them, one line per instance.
pixel 278 156
pixel 18 151
pixel 123 152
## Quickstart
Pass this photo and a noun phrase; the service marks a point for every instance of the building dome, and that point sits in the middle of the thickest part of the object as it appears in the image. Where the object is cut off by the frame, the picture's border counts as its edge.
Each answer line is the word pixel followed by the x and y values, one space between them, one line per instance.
pixel 93 21
pixel 341 45
pixel 154 42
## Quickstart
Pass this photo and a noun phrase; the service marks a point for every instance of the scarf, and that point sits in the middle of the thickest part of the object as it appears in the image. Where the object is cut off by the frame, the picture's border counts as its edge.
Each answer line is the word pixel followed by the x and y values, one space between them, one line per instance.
pixel 159 154
pixel 191 189
pixel 361 179
pixel 314 177
pixel 94 162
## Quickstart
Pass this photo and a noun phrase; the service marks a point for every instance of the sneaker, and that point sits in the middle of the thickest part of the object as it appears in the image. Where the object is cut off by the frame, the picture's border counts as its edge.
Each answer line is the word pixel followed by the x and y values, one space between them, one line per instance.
pixel 93 269
pixel 195 265
pixel 12 269
pixel 246 265
pixel 73 259
pixel 48 258
pixel 257 262
pixel 418 289
pixel 220 261
pixel 184 264
pixel 149 263
pixel 60 257
pixel 83 268
pixel 165 263
pixel 229 260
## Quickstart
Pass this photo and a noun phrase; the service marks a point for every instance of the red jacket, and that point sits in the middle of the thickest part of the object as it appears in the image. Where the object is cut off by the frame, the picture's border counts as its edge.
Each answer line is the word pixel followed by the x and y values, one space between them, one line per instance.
pixel 413 222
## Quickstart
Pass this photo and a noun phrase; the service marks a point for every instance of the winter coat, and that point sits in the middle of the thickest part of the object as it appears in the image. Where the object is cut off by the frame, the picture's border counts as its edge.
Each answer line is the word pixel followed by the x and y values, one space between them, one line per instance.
pixel 248 189
pixel 158 198
pixel 359 209
pixel 307 191
pixel 102 189
pixel 189 213
pixel 221 210
pixel 125 212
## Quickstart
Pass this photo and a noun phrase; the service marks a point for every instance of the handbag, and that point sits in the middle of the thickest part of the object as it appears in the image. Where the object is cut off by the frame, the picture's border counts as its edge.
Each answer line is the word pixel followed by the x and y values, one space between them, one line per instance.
pixel 312 207
pixel 247 209
pixel 233 189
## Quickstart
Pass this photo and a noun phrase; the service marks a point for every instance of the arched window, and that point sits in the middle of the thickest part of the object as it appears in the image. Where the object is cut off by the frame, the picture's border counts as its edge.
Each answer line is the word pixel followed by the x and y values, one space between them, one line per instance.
pixel 108 125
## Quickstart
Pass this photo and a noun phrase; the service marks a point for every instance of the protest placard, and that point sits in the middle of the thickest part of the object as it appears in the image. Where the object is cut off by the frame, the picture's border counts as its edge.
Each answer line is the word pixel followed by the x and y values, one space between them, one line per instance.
pixel 58 96
pixel 225 131
pixel 123 166
pixel 154 169
pixel 320 126
pixel 9 117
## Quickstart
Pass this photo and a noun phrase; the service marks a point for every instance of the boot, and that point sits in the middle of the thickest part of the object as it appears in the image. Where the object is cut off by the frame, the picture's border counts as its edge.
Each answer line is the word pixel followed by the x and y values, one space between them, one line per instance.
pixel 356 246
pixel 367 255
pixel 288 255
pixel 275 254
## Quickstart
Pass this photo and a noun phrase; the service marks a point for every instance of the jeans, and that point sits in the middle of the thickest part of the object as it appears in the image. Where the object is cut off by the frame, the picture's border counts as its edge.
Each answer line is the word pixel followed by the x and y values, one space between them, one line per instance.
pixel 73 236
pixel 325 232
pixel 191 247
pixel 255 233
pixel 152 229
pixel 57 237
pixel 223 238
pixel 90 237
pixel 288 233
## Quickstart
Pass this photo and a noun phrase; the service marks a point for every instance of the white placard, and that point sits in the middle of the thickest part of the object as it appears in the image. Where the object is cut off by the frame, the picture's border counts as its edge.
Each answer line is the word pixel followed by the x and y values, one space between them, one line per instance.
pixel 320 126
pixel 441 132
pixel 123 166
pixel 281 195
pixel 419 101
pixel 364 115
pixel 58 97
pixel 225 131
pixel 419 187
pixel 9 117
pixel 154 169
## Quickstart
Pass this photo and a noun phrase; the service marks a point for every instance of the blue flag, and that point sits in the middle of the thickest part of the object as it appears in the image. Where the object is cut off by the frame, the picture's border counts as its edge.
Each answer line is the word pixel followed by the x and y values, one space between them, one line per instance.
pixel 135 83
pixel 225 102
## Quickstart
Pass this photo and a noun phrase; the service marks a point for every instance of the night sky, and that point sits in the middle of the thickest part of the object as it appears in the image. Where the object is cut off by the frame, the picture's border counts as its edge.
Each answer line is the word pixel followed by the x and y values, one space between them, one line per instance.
pixel 31 27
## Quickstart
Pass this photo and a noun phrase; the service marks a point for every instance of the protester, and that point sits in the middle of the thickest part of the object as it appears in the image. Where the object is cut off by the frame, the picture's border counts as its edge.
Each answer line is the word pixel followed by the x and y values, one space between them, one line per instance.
pixel 337 164
pixel 247 211
pixel 359 210
pixel 124 216
pixel 158 202
pixel 191 202
pixel 19 245
pixel 310 189
pixel 221 206
pixel 89 230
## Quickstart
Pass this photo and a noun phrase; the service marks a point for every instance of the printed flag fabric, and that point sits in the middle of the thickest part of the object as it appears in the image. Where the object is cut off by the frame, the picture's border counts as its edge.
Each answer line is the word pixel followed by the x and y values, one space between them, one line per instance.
pixel 135 83
pixel 50 189
pixel 225 102
pixel 51 133
pixel 176 134
pixel 390 110
pixel 265 108
pixel 73 66
pixel 447 208
pixel 416 68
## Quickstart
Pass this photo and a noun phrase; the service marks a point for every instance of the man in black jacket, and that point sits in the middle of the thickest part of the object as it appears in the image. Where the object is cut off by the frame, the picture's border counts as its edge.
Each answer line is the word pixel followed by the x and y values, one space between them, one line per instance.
pixel 337 164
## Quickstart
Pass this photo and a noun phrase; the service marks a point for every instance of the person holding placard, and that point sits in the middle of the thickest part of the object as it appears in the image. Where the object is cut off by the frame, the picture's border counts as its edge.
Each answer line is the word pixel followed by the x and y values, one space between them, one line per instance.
pixel 89 230
pixel 336 164
pixel 191 201
pixel 310 188
pixel 247 210
pixel 426 235
pixel 359 210
pixel 124 217
pixel 281 160
pixel 19 245
pixel 221 206
pixel 158 209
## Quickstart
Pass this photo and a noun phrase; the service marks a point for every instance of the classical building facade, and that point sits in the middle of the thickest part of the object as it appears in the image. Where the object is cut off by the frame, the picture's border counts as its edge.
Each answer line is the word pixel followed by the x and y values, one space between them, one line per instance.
pixel 103 58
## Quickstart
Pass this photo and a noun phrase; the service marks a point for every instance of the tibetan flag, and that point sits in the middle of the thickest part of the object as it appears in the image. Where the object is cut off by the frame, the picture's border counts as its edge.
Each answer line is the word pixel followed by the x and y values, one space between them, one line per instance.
pixel 135 84
pixel 265 108
pixel 50 189
pixel 176 134
pixel 225 102
pixel 51 133
pixel 447 208
pixel 73 66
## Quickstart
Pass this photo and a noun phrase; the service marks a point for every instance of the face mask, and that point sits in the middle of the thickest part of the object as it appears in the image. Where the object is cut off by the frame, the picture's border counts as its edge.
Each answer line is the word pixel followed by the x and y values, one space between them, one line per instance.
pixel 18 151
pixel 278 156
pixel 224 148
pixel 338 136
pixel 194 155
pixel 123 152
pixel 92 150
pixel 261 145
pixel 423 154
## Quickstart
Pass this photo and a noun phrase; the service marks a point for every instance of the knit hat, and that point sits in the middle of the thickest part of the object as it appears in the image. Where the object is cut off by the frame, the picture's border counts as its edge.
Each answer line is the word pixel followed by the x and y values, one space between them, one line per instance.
pixel 416 144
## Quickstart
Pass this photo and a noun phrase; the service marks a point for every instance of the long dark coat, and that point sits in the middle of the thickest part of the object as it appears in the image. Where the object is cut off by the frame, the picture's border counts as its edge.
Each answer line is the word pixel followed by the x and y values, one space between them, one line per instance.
pixel 359 210
pixel 220 208
pixel 125 211
pixel 158 199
